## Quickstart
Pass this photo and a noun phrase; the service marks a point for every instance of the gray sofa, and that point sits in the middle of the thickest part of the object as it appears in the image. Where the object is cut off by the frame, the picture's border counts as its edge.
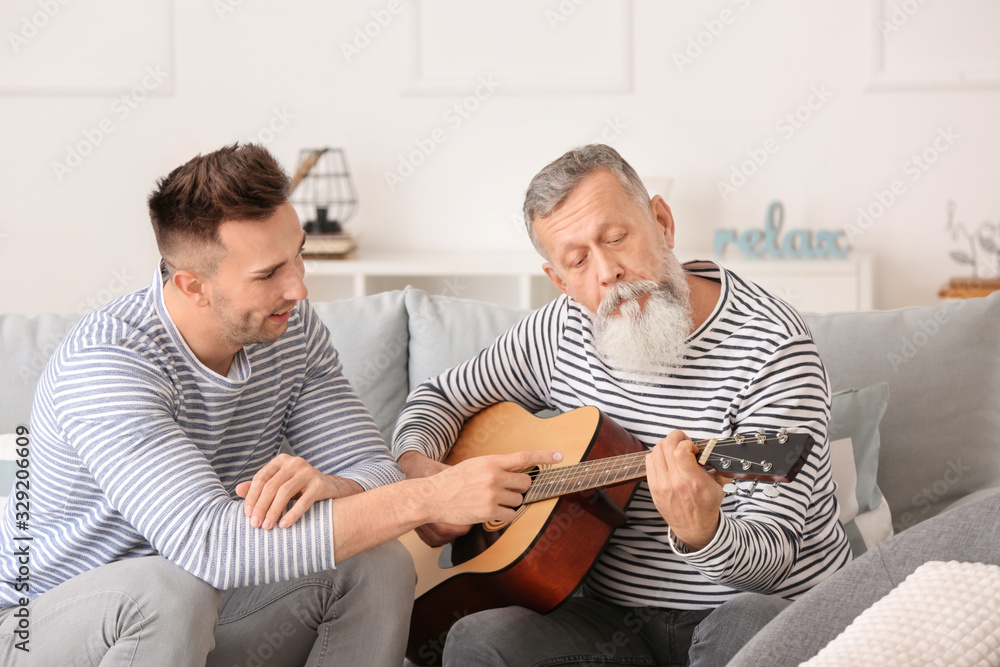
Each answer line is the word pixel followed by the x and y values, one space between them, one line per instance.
pixel 918 389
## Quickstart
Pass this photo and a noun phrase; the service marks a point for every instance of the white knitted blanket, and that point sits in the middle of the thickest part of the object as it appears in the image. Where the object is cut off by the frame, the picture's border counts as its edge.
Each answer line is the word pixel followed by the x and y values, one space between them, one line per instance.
pixel 944 614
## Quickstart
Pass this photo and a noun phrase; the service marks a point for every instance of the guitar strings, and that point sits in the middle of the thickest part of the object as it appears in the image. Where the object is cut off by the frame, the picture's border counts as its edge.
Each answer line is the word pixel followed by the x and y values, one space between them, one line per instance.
pixel 584 468
pixel 557 481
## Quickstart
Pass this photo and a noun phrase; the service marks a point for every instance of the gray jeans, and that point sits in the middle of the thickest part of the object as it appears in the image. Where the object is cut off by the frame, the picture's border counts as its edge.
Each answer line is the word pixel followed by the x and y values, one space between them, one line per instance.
pixel 589 632
pixel 148 612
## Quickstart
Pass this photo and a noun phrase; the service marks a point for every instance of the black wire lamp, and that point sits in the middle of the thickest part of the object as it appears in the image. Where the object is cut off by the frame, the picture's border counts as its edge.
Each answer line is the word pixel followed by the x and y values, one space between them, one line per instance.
pixel 322 190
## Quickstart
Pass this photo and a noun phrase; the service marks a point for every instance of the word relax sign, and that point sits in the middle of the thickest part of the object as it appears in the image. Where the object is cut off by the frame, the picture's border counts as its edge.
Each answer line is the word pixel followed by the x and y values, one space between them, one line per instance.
pixel 796 244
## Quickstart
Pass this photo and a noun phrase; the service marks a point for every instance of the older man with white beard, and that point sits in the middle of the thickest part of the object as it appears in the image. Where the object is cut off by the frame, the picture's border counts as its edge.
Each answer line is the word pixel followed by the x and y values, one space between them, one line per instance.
pixel 671 352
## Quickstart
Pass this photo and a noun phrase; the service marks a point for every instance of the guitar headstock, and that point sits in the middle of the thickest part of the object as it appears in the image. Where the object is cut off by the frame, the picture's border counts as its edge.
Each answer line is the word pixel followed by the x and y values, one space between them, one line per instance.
pixel 762 456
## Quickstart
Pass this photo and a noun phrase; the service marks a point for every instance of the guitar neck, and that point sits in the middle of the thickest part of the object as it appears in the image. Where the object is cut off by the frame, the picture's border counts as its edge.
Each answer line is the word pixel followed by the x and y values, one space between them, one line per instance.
pixel 585 476
pixel 729 455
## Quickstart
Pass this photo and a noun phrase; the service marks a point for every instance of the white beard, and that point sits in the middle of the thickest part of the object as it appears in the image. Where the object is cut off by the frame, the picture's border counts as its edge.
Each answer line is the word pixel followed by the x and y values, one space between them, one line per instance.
pixel 645 338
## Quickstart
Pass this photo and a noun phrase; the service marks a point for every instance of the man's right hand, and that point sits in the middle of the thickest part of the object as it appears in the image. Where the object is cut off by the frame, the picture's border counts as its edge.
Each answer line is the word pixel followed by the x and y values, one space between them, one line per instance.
pixel 478 489
pixel 414 465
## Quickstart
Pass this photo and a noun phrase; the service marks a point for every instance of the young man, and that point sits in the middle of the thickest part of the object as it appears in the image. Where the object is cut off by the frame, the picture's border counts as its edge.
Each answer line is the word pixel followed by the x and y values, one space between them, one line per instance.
pixel 158 523
pixel 670 353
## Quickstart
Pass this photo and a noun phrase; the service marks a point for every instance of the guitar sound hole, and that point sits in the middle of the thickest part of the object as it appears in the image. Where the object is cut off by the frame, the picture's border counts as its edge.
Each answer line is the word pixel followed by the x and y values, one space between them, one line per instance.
pixel 476 541
pixel 466 547
pixel 533 473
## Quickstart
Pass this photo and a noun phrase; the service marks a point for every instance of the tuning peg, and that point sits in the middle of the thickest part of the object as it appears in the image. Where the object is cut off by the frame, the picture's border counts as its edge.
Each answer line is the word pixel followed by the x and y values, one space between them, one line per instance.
pixel 772 491
pixel 782 436
pixel 746 493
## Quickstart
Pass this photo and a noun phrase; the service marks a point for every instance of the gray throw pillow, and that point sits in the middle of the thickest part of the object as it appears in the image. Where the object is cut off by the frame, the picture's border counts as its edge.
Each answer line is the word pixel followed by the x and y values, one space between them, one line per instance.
pixel 854 447
pixel 370 333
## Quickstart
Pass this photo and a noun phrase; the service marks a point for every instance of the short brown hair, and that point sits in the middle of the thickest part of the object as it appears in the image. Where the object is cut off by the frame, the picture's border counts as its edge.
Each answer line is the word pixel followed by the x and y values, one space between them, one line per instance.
pixel 236 182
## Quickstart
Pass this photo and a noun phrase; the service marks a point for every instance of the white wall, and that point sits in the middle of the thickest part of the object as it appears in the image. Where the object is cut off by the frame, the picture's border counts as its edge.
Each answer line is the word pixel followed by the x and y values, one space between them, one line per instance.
pixel 233 69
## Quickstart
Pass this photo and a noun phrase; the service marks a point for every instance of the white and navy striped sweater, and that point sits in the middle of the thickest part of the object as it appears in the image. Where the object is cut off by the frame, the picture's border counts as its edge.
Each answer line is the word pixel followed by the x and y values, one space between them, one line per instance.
pixel 136 449
pixel 751 364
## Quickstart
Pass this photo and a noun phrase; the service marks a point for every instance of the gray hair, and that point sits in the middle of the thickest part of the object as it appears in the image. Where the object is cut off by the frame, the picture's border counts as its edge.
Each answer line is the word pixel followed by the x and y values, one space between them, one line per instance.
pixel 556 181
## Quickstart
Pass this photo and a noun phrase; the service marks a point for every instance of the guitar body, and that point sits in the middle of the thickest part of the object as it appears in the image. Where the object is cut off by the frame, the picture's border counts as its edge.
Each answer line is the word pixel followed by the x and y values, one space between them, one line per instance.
pixel 539 559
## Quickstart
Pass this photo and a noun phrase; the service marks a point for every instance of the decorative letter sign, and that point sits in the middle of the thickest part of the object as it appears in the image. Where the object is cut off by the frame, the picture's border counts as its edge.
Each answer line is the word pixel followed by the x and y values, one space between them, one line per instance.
pixel 796 244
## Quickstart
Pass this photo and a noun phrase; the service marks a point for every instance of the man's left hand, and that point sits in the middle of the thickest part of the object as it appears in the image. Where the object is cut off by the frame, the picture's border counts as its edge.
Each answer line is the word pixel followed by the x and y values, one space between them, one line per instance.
pixel 284 478
pixel 687 496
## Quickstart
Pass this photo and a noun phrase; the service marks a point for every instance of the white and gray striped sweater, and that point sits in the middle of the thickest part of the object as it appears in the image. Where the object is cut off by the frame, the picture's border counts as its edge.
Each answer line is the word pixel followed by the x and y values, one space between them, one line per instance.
pixel 751 364
pixel 136 449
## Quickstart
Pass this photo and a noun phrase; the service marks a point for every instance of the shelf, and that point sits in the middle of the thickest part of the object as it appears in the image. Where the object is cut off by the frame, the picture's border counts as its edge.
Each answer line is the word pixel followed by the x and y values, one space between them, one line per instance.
pixel 516 279
pixel 464 274
pixel 813 286
pixel 408 263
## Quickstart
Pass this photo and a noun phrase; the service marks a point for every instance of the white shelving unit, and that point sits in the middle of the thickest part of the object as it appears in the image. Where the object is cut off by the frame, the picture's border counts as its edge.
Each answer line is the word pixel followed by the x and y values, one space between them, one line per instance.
pixel 817 286
pixel 516 279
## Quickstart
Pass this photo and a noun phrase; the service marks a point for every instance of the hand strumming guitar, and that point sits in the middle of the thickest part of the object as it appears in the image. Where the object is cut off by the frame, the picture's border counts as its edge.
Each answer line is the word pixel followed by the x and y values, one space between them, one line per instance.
pixel 414 465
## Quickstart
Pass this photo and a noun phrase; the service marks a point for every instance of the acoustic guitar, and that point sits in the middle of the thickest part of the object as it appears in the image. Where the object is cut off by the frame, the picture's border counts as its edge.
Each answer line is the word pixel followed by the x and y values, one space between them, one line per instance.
pixel 567 515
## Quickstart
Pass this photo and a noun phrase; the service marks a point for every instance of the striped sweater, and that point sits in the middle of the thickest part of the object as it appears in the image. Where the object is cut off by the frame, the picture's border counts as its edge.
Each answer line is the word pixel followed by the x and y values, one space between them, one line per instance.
pixel 137 447
pixel 751 364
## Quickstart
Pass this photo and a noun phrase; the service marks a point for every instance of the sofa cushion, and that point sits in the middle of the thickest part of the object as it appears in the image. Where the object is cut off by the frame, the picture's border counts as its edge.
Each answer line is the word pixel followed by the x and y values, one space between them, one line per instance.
pixel 445 331
pixel 939 435
pixel 27 344
pixel 854 447
pixel 944 613
pixel 370 333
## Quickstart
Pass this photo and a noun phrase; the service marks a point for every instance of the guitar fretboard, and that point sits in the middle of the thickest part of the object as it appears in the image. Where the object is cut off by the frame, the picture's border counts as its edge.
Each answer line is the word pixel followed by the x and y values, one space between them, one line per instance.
pixel 599 473
pixel 586 476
